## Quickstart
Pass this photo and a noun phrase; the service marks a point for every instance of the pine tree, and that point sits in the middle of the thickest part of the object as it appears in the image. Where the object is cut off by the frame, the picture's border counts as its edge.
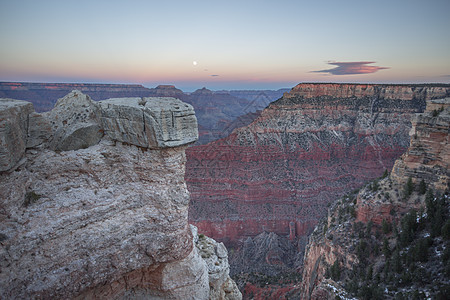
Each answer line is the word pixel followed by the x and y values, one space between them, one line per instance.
pixel 408 189
pixel 422 187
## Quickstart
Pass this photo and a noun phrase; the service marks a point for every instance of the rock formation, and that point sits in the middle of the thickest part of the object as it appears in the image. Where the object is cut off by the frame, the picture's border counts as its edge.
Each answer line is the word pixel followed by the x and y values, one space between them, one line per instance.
pixel 428 156
pixel 13 131
pixel 305 150
pixel 216 111
pixel 386 240
pixel 94 203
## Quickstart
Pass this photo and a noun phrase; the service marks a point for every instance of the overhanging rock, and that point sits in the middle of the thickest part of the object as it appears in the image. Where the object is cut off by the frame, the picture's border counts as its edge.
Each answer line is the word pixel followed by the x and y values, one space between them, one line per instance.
pixel 152 122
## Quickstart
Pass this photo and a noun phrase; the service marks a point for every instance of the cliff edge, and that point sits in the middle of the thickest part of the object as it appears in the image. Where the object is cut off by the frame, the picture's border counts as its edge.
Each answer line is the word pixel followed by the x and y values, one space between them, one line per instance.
pixel 94 204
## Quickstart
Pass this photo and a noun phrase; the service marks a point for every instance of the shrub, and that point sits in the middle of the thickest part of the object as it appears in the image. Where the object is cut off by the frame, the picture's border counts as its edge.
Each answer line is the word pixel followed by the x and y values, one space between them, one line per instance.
pixel 374 186
pixel 385 226
pixel 30 198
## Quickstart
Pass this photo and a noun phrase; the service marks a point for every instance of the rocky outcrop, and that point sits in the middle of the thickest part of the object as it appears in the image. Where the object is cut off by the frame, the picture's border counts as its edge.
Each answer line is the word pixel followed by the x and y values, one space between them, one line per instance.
pixel 13 131
pixel 428 155
pixel 303 151
pixel 106 217
pixel 149 122
pixel 74 123
pixel 216 257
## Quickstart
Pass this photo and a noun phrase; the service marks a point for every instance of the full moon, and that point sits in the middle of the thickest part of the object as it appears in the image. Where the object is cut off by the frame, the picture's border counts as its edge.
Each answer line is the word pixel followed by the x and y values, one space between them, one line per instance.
pixel 194 63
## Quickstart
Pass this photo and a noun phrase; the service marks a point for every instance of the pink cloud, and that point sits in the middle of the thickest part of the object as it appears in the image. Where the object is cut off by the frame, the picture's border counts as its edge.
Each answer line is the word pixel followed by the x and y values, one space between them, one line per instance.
pixel 349 68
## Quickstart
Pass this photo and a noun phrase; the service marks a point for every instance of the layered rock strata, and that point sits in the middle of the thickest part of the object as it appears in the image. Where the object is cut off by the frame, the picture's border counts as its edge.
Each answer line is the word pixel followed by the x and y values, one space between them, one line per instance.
pixel 302 152
pixel 428 155
pixel 357 220
pixel 96 206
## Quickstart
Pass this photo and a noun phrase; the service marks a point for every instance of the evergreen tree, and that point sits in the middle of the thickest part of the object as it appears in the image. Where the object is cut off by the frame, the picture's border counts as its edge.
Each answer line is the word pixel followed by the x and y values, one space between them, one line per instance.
pixel 385 226
pixel 422 187
pixel 335 271
pixel 386 249
pixel 408 188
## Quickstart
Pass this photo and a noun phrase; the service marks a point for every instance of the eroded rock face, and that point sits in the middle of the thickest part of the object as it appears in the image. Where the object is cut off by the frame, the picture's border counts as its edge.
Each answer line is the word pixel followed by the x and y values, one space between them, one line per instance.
pixel 153 122
pixel 338 239
pixel 303 151
pixel 13 131
pixel 216 257
pixel 104 220
pixel 75 122
pixel 428 155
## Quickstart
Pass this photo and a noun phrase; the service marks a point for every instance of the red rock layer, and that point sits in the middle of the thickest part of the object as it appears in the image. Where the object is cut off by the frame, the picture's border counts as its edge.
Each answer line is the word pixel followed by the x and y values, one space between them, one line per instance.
pixel 304 151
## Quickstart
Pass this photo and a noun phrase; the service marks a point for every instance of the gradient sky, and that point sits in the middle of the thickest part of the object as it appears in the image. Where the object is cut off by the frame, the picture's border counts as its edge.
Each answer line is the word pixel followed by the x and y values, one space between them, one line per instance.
pixel 236 44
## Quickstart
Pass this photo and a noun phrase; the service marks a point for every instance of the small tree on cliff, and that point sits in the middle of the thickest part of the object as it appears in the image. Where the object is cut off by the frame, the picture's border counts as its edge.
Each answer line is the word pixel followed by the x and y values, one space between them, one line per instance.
pixel 422 187
pixel 408 189
pixel 335 271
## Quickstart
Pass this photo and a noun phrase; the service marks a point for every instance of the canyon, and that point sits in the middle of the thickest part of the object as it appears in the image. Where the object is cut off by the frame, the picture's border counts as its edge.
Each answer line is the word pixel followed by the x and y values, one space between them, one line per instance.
pixel 389 240
pixel 278 173
pixel 94 203
pixel 260 189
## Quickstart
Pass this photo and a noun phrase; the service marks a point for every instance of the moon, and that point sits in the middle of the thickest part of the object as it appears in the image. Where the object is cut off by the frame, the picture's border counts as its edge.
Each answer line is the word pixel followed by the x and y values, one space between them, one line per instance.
pixel 194 63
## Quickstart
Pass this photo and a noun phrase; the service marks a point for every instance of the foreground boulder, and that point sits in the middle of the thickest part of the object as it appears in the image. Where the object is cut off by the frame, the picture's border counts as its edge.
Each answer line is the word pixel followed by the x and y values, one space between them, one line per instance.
pixel 13 131
pixel 86 214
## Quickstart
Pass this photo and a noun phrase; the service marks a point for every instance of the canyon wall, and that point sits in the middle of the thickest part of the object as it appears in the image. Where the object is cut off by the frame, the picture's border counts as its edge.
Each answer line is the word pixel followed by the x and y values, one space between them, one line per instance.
pixel 364 232
pixel 306 149
pixel 94 203
pixel 428 155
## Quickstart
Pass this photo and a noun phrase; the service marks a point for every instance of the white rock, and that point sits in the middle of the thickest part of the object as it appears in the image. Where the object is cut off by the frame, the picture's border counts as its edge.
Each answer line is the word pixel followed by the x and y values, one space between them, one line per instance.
pixel 13 131
pixel 154 122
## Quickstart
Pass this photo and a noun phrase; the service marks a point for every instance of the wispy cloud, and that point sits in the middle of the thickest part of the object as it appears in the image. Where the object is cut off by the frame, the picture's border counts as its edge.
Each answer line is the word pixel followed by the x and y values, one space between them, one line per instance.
pixel 349 68
pixel 214 75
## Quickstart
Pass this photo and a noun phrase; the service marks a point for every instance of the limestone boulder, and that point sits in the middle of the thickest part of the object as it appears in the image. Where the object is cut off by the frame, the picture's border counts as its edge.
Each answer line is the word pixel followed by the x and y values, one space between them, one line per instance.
pixel 13 131
pixel 153 122
pixel 75 122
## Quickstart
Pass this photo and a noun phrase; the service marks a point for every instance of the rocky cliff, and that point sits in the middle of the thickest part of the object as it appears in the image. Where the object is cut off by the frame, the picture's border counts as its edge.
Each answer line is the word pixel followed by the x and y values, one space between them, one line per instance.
pixel 94 203
pixel 428 155
pixel 390 240
pixel 302 152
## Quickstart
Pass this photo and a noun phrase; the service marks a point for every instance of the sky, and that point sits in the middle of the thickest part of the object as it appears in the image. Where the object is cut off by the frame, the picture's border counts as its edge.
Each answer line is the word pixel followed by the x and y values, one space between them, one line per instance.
pixel 225 44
